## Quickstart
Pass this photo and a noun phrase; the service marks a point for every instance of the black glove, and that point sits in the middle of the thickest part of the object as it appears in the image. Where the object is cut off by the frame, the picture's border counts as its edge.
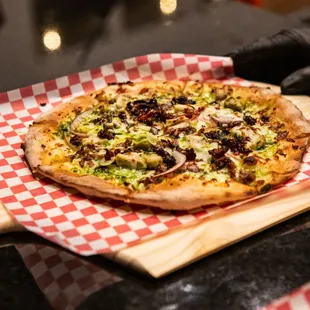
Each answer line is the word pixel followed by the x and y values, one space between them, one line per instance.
pixel 281 59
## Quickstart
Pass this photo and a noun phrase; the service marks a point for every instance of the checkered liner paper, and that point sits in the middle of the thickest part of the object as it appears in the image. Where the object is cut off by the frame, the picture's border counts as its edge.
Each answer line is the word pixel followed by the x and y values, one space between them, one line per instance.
pixel 88 225
pixel 67 280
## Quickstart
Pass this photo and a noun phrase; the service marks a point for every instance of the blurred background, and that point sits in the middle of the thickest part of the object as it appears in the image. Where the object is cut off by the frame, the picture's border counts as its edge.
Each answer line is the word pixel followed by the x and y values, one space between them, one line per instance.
pixel 43 40
pixel 57 20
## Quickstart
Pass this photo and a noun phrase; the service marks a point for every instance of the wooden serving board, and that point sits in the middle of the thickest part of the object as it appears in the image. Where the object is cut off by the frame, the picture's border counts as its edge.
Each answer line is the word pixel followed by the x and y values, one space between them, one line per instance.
pixel 167 252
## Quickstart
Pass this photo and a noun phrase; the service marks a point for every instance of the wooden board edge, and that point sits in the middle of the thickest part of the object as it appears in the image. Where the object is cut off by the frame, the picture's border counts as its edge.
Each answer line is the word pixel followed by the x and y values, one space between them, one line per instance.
pixel 7 222
pixel 164 254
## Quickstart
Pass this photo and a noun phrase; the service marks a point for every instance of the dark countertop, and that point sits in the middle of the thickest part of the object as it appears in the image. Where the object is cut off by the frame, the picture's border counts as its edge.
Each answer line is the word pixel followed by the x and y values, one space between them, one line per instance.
pixel 36 275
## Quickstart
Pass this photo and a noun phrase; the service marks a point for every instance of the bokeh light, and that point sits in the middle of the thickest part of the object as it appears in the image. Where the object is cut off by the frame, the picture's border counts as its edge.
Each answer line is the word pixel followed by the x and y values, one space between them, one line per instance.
pixel 51 39
pixel 168 6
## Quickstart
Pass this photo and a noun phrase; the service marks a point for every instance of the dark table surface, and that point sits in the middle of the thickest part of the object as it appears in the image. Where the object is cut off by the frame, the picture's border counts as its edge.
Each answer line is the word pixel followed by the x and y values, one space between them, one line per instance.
pixel 41 40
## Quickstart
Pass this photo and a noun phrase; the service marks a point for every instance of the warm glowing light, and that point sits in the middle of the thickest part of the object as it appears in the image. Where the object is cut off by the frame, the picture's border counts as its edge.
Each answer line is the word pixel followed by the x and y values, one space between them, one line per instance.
pixel 51 39
pixel 168 6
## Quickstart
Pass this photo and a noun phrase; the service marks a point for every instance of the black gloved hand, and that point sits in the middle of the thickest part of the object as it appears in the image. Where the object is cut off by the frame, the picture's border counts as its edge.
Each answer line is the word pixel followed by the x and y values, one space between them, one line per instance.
pixel 281 59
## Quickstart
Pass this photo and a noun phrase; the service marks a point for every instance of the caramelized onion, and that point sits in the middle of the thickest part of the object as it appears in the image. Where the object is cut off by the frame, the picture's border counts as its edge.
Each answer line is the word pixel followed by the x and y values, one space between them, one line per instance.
pixel 80 134
pixel 180 161
pixel 77 121
pixel 71 146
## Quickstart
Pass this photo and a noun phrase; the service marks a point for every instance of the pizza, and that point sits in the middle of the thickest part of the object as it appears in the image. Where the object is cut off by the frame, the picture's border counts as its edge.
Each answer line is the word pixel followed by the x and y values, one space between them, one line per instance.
pixel 174 145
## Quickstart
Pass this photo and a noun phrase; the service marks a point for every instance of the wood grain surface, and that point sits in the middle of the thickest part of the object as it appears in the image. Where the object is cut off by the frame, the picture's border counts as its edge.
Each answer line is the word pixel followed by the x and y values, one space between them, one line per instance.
pixel 167 252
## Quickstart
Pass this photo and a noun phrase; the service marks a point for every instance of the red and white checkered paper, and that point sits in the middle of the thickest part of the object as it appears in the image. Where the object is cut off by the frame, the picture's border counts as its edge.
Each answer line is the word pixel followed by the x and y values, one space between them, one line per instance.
pixel 65 279
pixel 299 299
pixel 88 225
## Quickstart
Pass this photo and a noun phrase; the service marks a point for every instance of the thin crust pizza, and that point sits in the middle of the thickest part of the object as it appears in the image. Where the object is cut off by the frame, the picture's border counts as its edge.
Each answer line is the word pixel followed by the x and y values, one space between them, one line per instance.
pixel 173 145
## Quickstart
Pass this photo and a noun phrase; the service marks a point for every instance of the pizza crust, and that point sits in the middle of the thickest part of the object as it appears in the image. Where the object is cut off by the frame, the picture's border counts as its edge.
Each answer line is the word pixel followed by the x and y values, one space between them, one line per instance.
pixel 172 194
pixel 179 192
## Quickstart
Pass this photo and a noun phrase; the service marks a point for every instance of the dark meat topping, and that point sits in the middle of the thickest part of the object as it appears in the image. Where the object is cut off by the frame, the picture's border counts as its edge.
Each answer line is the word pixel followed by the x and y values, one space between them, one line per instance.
pixel 282 135
pixel 90 147
pixel 122 115
pixel 246 176
pixel 290 140
pixel 126 144
pixel 168 115
pixel 236 145
pixel 232 168
pixel 216 134
pixel 166 110
pixel 213 135
pixel 264 118
pixel 167 158
pixel 106 117
pixel 97 120
pixel 251 161
pixel 190 112
pixel 138 107
pixel 85 153
pixel 295 147
pixel 189 153
pixel 175 132
pixel 249 120
pixel 106 134
pixel 85 160
pixel 222 162
pixel 147 111
pixel 76 140
pixel 151 180
pixel 182 100
pixel 151 116
pixel 201 130
pixel 280 152
pixel 165 143
pixel 266 188
pixel 218 153
pixel 110 154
